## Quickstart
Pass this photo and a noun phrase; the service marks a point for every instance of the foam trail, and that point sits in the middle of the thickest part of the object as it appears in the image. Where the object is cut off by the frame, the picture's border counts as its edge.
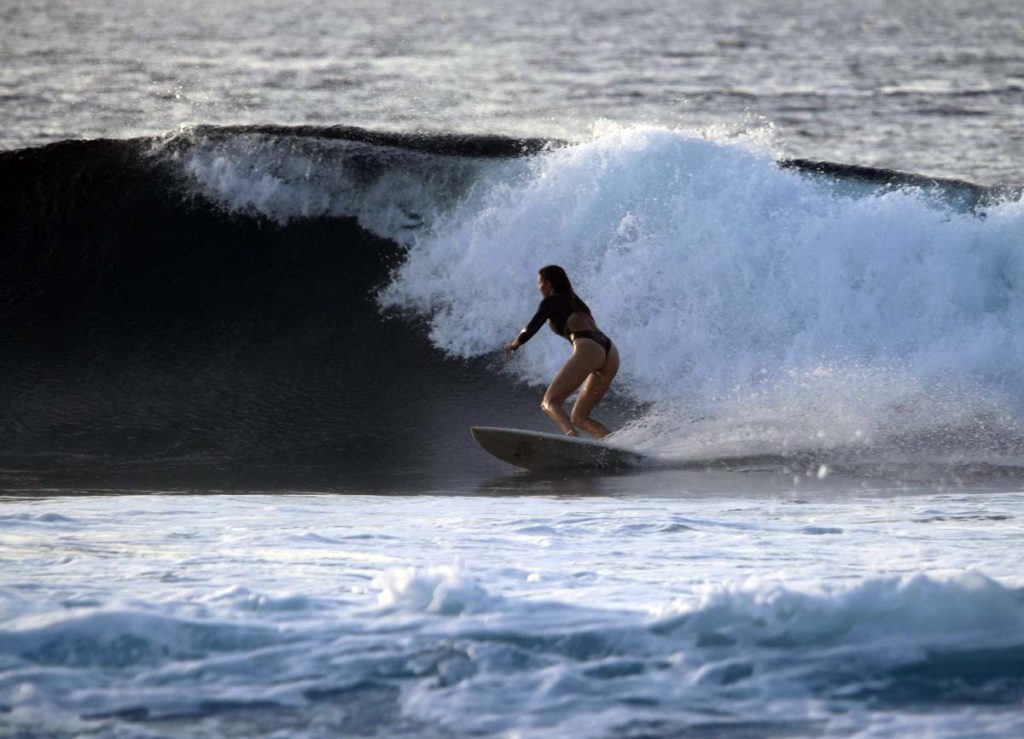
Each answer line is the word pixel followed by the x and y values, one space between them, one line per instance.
pixel 734 286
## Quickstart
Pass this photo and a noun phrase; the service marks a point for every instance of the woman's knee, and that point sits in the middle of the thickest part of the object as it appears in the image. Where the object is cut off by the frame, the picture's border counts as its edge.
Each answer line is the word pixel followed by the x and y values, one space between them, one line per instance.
pixel 550 403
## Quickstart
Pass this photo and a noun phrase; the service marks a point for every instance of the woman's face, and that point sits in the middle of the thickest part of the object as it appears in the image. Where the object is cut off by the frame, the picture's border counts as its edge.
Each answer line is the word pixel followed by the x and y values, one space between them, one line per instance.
pixel 545 287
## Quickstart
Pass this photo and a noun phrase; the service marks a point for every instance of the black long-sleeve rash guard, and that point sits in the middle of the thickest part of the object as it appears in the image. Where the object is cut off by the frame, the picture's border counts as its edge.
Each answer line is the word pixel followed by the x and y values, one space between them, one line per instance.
pixel 555 309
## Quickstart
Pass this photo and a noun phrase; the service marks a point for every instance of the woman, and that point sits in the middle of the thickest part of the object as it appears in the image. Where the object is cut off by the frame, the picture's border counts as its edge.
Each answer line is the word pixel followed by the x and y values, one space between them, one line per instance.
pixel 594 360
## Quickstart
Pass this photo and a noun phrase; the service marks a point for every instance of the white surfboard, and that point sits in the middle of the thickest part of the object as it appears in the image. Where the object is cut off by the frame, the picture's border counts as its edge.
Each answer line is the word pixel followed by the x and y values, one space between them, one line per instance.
pixel 537 450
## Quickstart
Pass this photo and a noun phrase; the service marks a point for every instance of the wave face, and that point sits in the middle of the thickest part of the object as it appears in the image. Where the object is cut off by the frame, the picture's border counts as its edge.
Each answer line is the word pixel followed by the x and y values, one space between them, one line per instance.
pixel 228 297
pixel 163 324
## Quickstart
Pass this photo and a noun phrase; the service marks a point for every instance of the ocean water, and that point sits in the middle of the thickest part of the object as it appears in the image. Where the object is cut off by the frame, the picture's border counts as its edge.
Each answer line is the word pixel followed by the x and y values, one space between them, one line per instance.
pixel 258 261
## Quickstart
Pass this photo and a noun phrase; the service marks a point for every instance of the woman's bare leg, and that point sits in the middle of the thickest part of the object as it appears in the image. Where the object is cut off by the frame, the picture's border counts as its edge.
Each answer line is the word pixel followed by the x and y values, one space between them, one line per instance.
pixel 586 357
pixel 594 389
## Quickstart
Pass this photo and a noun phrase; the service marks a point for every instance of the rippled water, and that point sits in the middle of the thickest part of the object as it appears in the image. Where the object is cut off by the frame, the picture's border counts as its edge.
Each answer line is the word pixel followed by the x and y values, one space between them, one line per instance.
pixel 934 88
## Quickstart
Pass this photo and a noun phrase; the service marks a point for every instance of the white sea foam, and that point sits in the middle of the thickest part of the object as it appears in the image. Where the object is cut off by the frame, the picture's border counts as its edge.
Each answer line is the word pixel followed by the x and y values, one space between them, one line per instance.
pixel 439 589
pixel 645 612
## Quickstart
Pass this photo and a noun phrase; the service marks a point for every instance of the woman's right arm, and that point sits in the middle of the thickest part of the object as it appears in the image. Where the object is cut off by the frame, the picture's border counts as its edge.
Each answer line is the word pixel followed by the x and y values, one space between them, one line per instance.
pixel 532 327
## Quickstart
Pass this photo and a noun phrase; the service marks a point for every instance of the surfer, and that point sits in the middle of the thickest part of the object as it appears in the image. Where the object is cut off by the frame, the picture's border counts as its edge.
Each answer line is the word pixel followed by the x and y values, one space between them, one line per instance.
pixel 594 360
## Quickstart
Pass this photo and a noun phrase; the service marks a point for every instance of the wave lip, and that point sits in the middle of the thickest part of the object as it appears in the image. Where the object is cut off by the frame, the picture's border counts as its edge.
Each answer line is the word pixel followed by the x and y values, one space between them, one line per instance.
pixel 119 639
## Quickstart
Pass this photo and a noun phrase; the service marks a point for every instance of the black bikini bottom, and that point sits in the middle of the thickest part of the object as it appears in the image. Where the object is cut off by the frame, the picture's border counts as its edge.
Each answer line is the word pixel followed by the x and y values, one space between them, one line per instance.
pixel 597 336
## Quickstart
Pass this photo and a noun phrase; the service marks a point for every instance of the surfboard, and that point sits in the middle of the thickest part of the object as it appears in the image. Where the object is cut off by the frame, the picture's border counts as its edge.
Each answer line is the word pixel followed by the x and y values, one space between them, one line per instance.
pixel 537 450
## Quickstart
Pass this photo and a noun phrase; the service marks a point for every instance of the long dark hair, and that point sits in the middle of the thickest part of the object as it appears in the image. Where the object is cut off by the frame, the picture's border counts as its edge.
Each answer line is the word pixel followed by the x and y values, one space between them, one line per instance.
pixel 560 281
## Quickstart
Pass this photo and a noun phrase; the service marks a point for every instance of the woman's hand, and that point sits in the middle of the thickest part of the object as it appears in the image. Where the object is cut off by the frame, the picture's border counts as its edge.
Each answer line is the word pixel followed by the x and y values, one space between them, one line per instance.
pixel 512 345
